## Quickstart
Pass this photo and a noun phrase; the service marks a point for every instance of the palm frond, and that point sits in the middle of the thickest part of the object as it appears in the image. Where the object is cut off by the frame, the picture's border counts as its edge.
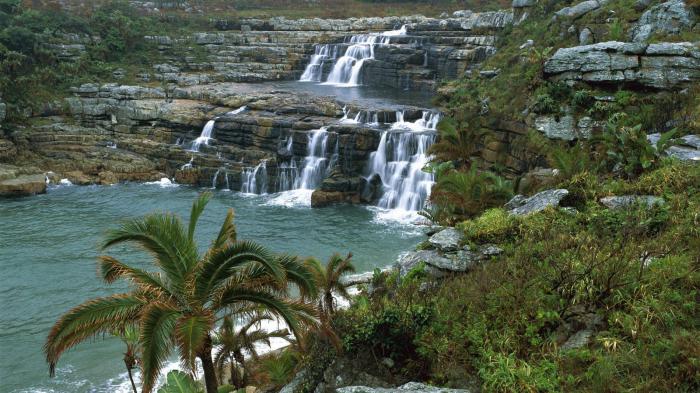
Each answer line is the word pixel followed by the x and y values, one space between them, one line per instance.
pixel 197 208
pixel 299 274
pixel 190 333
pixel 227 233
pixel 112 269
pixel 157 325
pixel 221 263
pixel 101 315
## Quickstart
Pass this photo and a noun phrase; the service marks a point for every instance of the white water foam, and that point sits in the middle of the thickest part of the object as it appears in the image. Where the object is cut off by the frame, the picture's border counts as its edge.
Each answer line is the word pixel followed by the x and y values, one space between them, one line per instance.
pixel 164 182
pixel 292 198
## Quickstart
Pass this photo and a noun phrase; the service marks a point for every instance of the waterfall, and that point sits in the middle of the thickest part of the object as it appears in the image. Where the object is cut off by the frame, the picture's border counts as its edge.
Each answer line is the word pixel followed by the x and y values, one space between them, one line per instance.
pixel 213 180
pixel 315 163
pixel 287 174
pixel 204 137
pixel 188 165
pixel 399 160
pixel 428 121
pixel 314 71
pixel 347 69
pixel 254 180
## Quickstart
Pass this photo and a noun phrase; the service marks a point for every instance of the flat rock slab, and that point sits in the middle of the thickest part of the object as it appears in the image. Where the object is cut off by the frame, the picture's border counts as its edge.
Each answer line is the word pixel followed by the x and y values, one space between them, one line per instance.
pixel 23 185
pixel 409 387
pixel 447 240
pixel 521 206
pixel 622 201
pixel 432 258
pixel 688 148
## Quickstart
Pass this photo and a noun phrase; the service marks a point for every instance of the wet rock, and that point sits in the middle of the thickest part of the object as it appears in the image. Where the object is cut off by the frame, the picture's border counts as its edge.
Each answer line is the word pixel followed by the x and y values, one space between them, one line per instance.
pixel 538 202
pixel 320 198
pixel 622 201
pixel 291 387
pixel 446 240
pixel 107 178
pixel 662 66
pixel 670 17
pixel 411 387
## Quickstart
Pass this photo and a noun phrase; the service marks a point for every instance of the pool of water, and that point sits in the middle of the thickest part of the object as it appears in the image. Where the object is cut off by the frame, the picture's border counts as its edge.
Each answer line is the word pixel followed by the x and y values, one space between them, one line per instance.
pixel 48 246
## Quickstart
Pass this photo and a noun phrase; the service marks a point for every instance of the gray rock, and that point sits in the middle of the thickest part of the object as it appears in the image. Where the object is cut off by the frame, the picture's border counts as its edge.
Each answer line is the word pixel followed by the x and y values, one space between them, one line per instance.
pixel 687 150
pixel 515 202
pixel 462 14
pixel 490 250
pixel 622 201
pixel 119 73
pixel 537 202
pixel 578 340
pixel 523 3
pixel 296 381
pixel 565 128
pixel 580 9
pixel 585 37
pixel 662 66
pixel 670 17
pixel 432 258
pixel 447 240
pixel 411 387
pixel 3 111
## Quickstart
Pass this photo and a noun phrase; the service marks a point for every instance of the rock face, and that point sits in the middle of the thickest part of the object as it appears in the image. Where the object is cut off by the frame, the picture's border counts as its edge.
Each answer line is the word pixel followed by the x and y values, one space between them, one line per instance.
pixel 565 127
pixel 623 201
pixel 670 17
pixel 521 206
pixel 412 387
pixel 661 66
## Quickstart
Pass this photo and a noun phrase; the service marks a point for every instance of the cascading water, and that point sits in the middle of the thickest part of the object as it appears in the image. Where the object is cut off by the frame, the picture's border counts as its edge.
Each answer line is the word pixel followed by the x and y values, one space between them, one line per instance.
pixel 315 164
pixel 314 71
pixel 399 161
pixel 254 180
pixel 347 69
pixel 205 136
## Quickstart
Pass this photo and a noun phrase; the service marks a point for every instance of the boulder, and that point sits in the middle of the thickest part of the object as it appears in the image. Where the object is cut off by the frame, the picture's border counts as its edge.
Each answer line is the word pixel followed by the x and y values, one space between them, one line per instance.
pixel 432 258
pixel 578 10
pixel 521 206
pixel 3 111
pixel 446 240
pixel 585 36
pixel 622 201
pixel 23 185
pixel 688 148
pixel 670 17
pixel 411 387
pixel 578 340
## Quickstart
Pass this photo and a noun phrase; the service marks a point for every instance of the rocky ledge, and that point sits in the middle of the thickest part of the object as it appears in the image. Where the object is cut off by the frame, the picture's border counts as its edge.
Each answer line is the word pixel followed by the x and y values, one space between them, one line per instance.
pixel 658 66
pixel 15 181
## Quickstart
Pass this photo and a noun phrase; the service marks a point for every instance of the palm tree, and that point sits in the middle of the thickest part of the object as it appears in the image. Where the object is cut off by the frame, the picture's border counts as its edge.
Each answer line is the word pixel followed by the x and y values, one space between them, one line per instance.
pixel 232 344
pixel 328 280
pixel 177 305
pixel 130 336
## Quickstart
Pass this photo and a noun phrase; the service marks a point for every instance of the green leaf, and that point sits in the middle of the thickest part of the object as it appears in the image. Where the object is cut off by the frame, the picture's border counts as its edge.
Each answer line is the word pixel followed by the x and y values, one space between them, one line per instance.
pixel 179 382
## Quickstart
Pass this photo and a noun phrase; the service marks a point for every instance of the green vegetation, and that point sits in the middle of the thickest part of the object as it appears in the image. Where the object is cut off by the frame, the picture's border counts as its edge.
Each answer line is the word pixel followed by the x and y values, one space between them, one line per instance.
pixel 178 305
pixel 628 277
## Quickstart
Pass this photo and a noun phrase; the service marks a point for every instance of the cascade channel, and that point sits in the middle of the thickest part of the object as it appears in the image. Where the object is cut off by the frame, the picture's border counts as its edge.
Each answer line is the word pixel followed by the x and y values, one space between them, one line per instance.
pixel 346 70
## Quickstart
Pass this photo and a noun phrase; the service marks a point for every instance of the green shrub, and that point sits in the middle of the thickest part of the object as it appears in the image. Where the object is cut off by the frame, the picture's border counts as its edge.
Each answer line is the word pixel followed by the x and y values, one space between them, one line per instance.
pixel 493 226
pixel 545 104
pixel 582 99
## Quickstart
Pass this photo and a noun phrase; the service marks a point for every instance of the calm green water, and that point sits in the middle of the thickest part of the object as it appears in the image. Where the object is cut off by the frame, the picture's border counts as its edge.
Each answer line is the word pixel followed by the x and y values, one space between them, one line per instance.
pixel 48 245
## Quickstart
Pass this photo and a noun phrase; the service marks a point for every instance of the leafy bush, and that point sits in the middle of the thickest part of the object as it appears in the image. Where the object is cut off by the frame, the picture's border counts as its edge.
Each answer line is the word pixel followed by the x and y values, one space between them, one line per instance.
pixel 545 104
pixel 571 161
pixel 582 99
pixel 493 226
pixel 628 151
pixel 469 193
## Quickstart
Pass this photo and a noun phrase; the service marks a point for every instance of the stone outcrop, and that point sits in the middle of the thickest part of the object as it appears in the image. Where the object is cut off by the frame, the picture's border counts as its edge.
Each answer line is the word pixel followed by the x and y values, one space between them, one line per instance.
pixel 659 66
pixel 687 149
pixel 670 17
pixel 17 182
pixel 448 239
pixel 411 387
pixel 623 201
pixel 580 9
pixel 520 205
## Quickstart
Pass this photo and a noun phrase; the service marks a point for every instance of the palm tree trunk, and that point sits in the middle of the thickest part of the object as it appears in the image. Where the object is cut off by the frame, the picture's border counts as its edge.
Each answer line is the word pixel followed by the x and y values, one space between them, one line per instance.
pixel 131 378
pixel 204 355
